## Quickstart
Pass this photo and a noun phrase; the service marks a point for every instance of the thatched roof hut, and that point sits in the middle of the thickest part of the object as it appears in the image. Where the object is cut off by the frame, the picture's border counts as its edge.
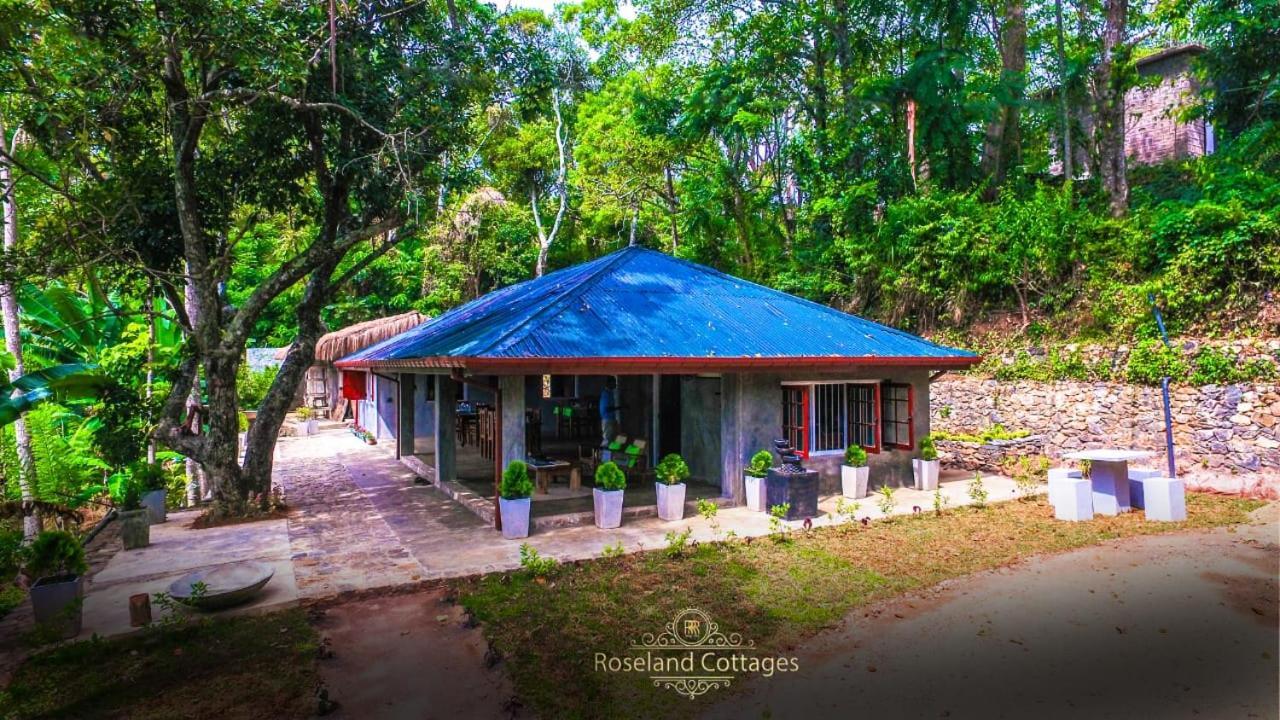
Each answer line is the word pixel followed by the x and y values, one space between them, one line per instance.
pixel 321 388
pixel 341 343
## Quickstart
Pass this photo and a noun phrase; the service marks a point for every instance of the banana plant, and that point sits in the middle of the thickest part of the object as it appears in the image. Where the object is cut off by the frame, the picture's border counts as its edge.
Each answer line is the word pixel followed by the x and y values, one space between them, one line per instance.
pixel 70 381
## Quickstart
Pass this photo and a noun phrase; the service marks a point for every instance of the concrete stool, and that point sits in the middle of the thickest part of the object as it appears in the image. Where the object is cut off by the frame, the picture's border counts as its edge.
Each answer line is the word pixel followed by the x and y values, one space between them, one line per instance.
pixel 1060 474
pixel 1166 499
pixel 1136 476
pixel 1072 498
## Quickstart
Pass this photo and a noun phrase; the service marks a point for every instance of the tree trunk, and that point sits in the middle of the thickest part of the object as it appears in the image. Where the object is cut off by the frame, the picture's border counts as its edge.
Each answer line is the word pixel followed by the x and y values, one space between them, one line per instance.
pixel 545 239
pixel 1064 116
pixel 13 338
pixel 259 454
pixel 1109 91
pixel 1002 148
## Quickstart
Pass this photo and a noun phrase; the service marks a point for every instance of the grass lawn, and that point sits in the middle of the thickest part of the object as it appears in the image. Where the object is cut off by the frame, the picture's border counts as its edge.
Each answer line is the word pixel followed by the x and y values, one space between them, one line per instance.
pixel 247 667
pixel 775 593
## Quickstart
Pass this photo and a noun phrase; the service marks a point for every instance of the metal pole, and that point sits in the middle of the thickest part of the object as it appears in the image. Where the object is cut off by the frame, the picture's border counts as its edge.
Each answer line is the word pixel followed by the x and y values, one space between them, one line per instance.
pixel 1164 393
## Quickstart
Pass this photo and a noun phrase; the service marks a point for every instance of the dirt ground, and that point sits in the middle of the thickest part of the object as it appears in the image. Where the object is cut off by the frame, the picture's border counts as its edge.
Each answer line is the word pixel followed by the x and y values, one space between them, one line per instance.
pixel 1167 626
pixel 409 656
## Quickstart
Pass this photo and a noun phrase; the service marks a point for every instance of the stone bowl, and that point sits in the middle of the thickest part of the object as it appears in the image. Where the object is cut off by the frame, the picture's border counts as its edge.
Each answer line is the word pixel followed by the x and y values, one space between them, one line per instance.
pixel 225 585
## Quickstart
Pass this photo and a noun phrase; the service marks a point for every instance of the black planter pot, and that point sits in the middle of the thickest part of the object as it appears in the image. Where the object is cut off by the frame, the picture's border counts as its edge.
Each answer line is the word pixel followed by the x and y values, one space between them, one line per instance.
pixel 799 489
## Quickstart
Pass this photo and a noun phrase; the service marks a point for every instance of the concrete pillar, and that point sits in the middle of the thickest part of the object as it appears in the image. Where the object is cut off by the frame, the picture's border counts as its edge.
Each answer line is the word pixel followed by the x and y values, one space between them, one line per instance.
pixel 750 419
pixel 512 389
pixel 446 407
pixel 405 415
pixel 732 460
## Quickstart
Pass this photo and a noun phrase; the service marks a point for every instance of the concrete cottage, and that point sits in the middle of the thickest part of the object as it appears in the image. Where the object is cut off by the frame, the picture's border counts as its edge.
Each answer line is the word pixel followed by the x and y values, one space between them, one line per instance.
pixel 662 356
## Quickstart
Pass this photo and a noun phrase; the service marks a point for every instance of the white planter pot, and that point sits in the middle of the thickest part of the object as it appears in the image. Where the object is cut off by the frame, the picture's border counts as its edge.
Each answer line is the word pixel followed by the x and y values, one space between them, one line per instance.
pixel 853 481
pixel 608 507
pixel 57 604
pixel 313 427
pixel 153 501
pixel 515 517
pixel 926 472
pixel 755 493
pixel 670 501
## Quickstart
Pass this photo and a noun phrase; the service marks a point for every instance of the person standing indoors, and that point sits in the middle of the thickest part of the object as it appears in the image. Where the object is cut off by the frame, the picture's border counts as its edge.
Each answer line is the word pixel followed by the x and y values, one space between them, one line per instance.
pixel 609 407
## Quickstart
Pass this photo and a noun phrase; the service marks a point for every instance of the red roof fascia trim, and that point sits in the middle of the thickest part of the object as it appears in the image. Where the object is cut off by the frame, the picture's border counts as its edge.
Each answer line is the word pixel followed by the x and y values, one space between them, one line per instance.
pixel 607 365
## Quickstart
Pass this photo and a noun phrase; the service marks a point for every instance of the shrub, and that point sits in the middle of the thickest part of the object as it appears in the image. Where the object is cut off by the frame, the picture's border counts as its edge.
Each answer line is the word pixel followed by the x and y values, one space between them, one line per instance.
pixel 610 477
pixel 126 492
pixel 760 464
pixel 1150 360
pixel 516 484
pixel 927 449
pixel 534 563
pixel 885 501
pixel 54 553
pixel 855 456
pixel 977 491
pixel 986 435
pixel 149 476
pixel 677 542
pixel 304 413
pixel 672 470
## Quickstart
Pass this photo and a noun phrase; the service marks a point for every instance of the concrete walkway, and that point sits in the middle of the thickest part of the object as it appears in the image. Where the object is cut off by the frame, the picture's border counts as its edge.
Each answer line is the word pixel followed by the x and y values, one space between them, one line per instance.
pixel 359 522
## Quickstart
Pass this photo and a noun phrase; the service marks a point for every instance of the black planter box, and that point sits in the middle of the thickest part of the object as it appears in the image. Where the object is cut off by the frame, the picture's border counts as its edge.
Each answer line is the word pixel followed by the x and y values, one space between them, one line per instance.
pixel 799 489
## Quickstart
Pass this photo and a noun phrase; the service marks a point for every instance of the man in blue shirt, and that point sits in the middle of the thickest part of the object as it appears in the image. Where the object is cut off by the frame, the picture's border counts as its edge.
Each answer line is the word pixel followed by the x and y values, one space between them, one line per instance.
pixel 609 407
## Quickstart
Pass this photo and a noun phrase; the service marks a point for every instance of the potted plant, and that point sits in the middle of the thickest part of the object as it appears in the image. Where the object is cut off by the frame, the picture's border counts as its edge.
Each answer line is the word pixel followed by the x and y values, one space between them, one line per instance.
pixel 514 500
pixel 927 465
pixel 310 423
pixel 56 560
pixel 135 521
pixel 607 494
pixel 151 479
pixel 853 473
pixel 756 471
pixel 671 473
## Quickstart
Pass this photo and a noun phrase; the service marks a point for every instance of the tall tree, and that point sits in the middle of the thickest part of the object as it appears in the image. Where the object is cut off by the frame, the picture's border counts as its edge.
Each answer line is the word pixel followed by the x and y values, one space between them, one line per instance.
pixel 1002 147
pixel 12 330
pixel 1110 83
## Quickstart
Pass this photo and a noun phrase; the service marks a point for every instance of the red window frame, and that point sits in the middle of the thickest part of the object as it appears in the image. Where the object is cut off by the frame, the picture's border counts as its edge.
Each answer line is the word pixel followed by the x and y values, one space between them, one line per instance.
pixel 796 398
pixel 876 412
pixel 910 408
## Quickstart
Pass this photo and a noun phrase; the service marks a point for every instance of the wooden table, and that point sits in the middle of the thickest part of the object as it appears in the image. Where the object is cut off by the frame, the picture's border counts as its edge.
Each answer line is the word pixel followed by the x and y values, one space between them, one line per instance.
pixel 545 472
pixel 1109 477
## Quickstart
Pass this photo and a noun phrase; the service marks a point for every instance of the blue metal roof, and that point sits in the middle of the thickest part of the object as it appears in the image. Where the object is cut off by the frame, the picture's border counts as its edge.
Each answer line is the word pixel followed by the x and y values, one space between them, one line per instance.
pixel 639 303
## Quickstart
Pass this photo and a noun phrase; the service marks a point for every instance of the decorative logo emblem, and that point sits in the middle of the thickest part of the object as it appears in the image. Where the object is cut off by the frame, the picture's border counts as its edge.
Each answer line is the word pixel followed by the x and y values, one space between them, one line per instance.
pixel 693 656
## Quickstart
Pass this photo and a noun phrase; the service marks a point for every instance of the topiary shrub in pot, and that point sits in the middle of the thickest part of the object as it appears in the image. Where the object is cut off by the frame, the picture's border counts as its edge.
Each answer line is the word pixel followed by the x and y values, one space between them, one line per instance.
pixel 927 465
pixel 55 559
pixel 514 500
pixel 607 494
pixel 152 481
pixel 135 521
pixel 854 472
pixel 671 473
pixel 755 473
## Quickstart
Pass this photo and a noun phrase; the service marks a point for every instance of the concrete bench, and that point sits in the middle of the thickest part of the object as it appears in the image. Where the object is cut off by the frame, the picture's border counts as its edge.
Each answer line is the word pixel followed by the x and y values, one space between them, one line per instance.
pixel 1071 495
pixel 1136 477
pixel 1165 499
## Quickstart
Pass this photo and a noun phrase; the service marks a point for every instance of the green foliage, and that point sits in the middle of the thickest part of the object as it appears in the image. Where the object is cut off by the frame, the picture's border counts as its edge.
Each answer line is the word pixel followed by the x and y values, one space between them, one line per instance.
pixel 846 509
pixel 996 431
pixel 516 484
pixel 885 500
pixel 126 492
pixel 977 491
pixel 53 553
pixel 616 550
pixel 1150 360
pixel 940 501
pixel 672 469
pixel 610 477
pixel 535 564
pixel 855 456
pixel 149 476
pixel 252 385
pixel 677 542
pixel 760 464
pixel 928 451
pixel 1028 473
pixel 777 526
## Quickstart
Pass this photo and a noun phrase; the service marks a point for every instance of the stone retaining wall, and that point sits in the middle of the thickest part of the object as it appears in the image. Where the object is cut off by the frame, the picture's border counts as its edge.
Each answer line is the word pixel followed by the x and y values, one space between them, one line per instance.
pixel 1227 436
pixel 987 457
